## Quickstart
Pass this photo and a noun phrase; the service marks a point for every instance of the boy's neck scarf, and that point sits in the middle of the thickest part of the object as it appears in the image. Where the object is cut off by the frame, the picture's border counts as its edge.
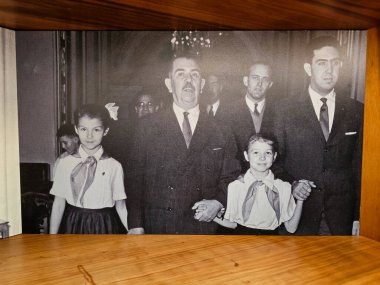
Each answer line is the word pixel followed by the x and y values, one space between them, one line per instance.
pixel 272 195
pixel 83 176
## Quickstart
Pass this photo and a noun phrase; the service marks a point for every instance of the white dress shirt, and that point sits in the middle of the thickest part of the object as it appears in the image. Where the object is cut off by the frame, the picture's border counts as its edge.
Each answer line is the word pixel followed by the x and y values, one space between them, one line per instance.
pixel 317 104
pixel 193 116
pixel 251 105
pixel 215 107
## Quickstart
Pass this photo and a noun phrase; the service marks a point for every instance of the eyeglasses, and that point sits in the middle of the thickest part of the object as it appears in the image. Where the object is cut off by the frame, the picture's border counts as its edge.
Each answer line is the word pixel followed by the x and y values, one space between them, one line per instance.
pixel 142 105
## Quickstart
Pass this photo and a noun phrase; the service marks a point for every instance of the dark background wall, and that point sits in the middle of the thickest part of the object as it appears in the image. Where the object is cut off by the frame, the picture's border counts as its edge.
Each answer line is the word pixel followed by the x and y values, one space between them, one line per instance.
pixel 58 71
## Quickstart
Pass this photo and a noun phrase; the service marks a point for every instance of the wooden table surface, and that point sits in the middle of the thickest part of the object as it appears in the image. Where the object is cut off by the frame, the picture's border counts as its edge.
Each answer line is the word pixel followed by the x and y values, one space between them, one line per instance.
pixel 158 259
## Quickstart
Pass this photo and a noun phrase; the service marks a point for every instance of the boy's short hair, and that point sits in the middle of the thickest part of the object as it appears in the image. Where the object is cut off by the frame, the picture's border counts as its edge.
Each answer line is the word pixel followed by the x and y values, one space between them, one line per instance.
pixel 265 138
pixel 66 130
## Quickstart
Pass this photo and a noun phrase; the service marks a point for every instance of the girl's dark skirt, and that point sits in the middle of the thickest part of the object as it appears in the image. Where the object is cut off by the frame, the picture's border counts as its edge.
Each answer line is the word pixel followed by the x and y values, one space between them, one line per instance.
pixel 241 230
pixel 90 221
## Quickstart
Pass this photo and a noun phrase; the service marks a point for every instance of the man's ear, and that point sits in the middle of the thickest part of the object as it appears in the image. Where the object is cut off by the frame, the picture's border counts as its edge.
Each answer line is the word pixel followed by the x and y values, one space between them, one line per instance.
pixel 245 81
pixel 274 156
pixel 106 132
pixel 203 81
pixel 307 68
pixel 270 84
pixel 246 156
pixel 168 83
pixel 76 130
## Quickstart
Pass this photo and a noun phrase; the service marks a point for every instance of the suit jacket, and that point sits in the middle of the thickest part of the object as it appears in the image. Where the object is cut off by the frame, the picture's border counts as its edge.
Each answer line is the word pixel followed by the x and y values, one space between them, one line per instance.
pixel 334 166
pixel 240 120
pixel 165 178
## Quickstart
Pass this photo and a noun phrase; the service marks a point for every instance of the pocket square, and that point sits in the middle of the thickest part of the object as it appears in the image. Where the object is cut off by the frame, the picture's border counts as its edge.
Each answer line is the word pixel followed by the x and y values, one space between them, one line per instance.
pixel 217 148
pixel 350 133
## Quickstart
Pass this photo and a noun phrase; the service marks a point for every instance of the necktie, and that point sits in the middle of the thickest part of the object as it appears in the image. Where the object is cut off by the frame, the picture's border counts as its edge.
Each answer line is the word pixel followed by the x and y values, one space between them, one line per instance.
pixel 256 111
pixel 211 112
pixel 272 195
pixel 324 118
pixel 186 128
pixel 82 176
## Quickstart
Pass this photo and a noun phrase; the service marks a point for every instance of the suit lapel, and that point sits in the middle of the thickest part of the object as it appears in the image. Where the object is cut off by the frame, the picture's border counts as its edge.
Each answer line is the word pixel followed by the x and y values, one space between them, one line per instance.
pixel 246 118
pixel 173 134
pixel 200 137
pixel 310 119
pixel 338 119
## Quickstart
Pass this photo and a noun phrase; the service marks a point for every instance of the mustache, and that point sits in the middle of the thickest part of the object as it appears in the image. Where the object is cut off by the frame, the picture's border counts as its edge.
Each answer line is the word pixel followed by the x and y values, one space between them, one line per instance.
pixel 189 85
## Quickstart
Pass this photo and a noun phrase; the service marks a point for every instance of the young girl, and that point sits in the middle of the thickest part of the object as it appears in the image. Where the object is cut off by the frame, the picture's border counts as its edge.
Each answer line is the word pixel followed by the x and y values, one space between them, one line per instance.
pixel 257 203
pixel 88 185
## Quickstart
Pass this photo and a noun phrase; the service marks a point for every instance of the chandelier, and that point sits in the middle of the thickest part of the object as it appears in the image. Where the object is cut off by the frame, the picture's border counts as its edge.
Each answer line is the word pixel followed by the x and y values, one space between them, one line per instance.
pixel 196 41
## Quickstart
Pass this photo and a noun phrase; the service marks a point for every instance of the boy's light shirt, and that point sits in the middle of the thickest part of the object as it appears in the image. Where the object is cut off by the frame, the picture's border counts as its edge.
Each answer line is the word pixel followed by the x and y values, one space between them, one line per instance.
pixel 262 215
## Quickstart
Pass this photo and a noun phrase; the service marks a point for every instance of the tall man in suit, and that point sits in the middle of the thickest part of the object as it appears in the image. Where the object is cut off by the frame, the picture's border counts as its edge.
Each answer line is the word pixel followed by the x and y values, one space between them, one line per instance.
pixel 320 141
pixel 182 161
pixel 254 113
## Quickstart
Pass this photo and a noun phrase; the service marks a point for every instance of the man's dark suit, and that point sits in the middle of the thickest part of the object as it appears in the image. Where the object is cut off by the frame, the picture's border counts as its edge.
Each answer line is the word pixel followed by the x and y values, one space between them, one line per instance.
pixel 334 166
pixel 166 179
pixel 240 120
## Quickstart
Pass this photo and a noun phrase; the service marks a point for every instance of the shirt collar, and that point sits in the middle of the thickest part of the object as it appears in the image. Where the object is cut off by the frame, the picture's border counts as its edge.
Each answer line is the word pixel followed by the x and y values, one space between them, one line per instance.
pixel 214 106
pixel 179 111
pixel 315 96
pixel 251 104
pixel 268 180
pixel 83 154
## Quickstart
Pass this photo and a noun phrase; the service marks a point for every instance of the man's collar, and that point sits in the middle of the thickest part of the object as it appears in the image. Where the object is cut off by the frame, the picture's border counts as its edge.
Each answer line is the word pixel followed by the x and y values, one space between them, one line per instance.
pixel 178 110
pixel 214 105
pixel 251 104
pixel 315 95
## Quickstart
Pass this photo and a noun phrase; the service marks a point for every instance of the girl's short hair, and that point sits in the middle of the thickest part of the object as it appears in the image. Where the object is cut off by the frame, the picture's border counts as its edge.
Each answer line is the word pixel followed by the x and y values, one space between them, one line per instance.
pixel 93 111
pixel 264 138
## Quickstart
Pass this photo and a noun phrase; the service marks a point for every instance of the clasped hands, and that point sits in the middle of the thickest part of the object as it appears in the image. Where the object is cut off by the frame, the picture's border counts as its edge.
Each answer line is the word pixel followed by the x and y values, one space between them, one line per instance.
pixel 301 189
pixel 206 210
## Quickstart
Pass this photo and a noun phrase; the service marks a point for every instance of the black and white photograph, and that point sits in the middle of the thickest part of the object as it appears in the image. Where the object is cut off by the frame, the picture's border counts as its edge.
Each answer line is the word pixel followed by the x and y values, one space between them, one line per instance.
pixel 191 132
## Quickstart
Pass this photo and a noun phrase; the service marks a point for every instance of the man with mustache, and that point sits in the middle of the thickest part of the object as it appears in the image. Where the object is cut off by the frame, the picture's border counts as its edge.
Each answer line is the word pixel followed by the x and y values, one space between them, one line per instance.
pixel 320 141
pixel 253 114
pixel 182 162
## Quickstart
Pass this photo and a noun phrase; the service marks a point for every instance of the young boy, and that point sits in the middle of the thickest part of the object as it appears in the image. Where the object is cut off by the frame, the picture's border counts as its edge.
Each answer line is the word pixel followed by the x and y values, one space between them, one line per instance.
pixel 69 141
pixel 258 203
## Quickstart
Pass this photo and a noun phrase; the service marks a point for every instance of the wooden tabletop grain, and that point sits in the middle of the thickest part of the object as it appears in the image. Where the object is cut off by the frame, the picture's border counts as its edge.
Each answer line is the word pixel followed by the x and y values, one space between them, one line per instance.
pixel 166 259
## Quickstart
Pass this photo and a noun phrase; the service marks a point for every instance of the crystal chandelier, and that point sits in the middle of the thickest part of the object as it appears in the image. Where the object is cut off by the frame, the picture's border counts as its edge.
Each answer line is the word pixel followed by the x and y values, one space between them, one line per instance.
pixel 195 41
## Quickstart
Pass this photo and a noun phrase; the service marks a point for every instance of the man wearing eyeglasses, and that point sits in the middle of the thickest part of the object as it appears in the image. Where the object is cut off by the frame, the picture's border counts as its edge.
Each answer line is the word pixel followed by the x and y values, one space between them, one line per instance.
pixel 253 114
pixel 145 104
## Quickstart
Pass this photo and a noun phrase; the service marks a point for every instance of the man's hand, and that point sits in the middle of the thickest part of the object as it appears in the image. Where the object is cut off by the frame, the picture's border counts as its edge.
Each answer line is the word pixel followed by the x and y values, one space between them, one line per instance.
pixel 206 210
pixel 136 231
pixel 356 228
pixel 301 189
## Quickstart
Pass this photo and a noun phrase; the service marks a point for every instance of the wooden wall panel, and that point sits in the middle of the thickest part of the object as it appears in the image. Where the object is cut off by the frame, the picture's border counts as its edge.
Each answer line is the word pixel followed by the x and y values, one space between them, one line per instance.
pixel 188 14
pixel 370 203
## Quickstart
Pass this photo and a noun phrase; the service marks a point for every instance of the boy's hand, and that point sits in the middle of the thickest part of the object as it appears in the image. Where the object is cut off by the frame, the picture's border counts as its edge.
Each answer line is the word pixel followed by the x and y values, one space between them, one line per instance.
pixel 301 189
